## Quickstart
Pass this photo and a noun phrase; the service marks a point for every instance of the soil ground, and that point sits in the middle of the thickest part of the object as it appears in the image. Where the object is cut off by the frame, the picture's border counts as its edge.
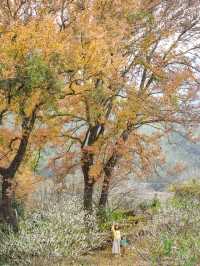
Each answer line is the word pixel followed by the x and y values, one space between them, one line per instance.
pixel 105 258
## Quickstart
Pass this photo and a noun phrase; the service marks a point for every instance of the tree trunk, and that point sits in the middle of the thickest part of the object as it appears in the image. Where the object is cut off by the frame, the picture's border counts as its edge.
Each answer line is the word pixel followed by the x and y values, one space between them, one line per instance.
pixel 87 161
pixel 104 192
pixel 88 192
pixel 91 136
pixel 108 168
pixel 6 211
pixel 8 215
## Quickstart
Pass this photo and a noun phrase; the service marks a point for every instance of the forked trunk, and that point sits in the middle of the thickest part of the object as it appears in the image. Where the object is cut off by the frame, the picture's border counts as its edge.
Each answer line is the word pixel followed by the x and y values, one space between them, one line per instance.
pixel 109 167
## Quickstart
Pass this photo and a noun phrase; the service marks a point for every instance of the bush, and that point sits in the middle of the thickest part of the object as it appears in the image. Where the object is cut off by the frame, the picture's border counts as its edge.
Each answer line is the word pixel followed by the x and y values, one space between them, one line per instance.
pixel 59 229
pixel 172 237
pixel 189 189
pixel 107 217
pixel 150 205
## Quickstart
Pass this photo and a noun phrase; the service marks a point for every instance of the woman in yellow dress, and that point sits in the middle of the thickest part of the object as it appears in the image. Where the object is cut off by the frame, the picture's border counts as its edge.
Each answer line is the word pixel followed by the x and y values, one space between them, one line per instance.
pixel 116 239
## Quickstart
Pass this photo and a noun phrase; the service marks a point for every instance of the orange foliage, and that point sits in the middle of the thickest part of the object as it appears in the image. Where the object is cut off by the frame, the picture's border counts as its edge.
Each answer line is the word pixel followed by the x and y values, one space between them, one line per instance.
pixel 25 184
pixel 112 68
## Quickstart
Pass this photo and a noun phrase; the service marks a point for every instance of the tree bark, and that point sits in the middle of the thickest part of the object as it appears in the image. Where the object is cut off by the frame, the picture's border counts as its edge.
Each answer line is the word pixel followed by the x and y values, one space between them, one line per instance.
pixel 107 178
pixel 7 213
pixel 104 193
pixel 88 193
pixel 87 161
pixel 109 167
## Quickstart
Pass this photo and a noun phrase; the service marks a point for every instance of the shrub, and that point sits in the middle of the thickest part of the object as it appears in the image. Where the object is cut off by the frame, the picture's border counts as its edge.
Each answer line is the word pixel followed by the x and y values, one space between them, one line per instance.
pixel 172 237
pixel 58 229
pixel 150 205
pixel 108 216
pixel 187 189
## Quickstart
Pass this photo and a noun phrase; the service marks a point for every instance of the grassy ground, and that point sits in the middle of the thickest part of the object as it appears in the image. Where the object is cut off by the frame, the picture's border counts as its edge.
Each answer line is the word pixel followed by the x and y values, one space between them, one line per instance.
pixel 105 258
pixel 99 258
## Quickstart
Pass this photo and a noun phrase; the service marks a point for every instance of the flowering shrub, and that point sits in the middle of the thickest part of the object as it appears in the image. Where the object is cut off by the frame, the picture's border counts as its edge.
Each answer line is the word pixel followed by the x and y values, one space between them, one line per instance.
pixel 58 229
pixel 172 237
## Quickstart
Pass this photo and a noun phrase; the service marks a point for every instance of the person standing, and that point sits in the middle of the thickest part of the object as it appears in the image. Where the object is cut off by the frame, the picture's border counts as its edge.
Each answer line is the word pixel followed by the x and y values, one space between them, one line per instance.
pixel 116 239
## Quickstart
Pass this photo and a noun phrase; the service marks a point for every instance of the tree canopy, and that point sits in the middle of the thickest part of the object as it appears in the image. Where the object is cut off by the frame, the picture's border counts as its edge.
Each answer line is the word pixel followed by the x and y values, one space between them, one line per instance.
pixel 85 77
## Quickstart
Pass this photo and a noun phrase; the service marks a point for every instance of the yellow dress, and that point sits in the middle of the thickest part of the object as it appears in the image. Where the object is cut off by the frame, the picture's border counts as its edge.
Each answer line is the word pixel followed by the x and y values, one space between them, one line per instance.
pixel 116 241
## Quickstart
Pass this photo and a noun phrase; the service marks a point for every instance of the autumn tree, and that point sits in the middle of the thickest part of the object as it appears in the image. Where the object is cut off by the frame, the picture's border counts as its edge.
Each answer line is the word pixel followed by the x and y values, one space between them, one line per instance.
pixel 30 84
pixel 96 38
pixel 129 68
pixel 164 70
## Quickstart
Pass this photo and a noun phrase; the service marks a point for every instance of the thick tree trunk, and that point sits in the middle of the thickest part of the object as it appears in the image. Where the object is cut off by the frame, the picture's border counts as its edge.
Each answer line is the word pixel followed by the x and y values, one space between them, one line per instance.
pixel 87 160
pixel 8 214
pixel 104 193
pixel 91 136
pixel 109 167
pixel 88 193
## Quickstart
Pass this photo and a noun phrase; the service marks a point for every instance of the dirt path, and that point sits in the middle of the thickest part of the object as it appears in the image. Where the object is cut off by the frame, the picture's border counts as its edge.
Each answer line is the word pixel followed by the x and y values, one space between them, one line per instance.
pixel 98 258
pixel 105 258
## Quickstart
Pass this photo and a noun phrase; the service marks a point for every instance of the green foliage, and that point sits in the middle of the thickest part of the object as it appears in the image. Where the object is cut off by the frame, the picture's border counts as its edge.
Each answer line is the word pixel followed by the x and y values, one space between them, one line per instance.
pixel 136 219
pixel 108 216
pixel 167 246
pixel 140 15
pixel 151 205
pixel 174 237
pixel 189 189
pixel 36 73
